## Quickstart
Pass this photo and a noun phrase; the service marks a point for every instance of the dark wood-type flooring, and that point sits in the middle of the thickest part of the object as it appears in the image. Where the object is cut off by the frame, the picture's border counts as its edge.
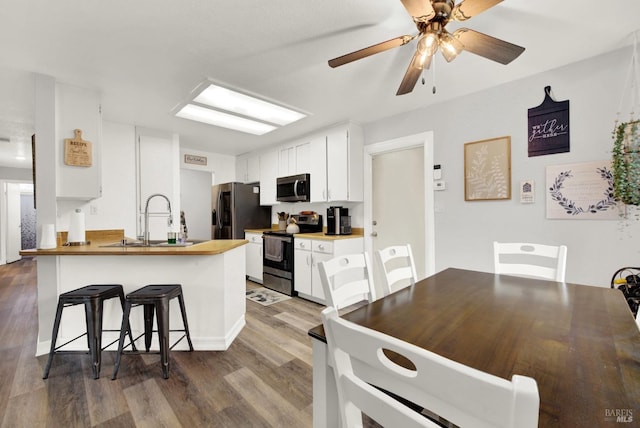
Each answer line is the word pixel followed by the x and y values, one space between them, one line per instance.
pixel 263 380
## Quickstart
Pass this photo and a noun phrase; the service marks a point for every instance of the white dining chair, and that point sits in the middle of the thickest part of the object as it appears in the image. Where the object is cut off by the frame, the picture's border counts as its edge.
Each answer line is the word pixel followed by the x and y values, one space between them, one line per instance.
pixel 397 267
pixel 346 280
pixel 638 318
pixel 460 394
pixel 531 260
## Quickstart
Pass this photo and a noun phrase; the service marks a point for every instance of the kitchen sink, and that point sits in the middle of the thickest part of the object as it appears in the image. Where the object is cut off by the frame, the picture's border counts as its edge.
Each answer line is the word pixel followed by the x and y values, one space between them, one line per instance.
pixel 153 243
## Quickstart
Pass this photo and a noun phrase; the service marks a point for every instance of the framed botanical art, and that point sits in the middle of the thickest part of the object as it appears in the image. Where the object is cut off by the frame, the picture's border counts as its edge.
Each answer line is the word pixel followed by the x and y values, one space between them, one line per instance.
pixel 487 169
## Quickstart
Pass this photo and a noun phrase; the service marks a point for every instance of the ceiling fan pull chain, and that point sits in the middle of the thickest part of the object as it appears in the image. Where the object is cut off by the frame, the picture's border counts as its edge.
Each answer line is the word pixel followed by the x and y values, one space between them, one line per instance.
pixel 433 90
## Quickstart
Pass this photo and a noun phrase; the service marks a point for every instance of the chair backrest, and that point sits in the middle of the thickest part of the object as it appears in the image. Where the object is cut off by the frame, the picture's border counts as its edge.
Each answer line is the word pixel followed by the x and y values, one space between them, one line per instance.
pixel 453 391
pixel 533 260
pixel 397 267
pixel 638 318
pixel 347 280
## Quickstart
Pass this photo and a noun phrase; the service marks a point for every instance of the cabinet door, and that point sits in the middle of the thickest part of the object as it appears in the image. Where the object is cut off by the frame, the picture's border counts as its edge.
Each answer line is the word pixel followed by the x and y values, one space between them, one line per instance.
pixel 253 169
pixel 317 154
pixel 302 271
pixel 241 168
pixel 287 161
pixel 254 261
pixel 317 290
pixel 268 175
pixel 337 166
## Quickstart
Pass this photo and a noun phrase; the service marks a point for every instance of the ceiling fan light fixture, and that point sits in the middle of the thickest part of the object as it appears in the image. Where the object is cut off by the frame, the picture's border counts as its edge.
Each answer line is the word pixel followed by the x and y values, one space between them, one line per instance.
pixel 427 46
pixel 450 46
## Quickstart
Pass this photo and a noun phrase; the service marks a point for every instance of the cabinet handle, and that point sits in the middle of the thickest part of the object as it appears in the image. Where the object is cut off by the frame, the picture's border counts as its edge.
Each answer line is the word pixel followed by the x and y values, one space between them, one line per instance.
pixel 321 247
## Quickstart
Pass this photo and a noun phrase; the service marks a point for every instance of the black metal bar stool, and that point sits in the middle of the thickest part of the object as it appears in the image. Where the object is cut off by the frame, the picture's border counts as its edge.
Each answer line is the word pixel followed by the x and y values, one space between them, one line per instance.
pixel 93 297
pixel 154 297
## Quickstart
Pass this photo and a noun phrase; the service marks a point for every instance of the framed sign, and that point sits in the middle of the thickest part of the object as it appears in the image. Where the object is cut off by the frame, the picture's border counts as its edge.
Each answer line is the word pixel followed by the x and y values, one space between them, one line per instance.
pixel 549 126
pixel 195 159
pixel 581 191
pixel 487 169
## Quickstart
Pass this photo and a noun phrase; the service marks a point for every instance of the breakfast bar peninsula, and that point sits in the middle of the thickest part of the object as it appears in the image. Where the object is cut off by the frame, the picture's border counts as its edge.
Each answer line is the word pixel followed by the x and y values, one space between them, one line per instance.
pixel 212 274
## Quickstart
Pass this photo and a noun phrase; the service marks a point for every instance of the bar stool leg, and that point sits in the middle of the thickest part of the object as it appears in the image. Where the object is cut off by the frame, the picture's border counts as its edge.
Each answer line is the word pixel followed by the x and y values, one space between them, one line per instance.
pixel 184 320
pixel 148 325
pixel 93 314
pixel 54 337
pixel 123 331
pixel 122 304
pixel 162 315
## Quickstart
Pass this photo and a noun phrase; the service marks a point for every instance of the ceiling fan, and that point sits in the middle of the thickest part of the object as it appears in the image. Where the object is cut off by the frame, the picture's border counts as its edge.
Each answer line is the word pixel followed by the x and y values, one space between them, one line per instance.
pixel 431 18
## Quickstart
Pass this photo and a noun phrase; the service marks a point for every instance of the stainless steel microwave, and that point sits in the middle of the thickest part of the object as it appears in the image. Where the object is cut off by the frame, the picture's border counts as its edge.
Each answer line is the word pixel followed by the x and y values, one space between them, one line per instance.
pixel 294 188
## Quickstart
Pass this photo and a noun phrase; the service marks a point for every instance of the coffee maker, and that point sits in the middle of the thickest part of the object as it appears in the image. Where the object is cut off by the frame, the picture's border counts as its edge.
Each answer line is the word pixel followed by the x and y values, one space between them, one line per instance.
pixel 338 221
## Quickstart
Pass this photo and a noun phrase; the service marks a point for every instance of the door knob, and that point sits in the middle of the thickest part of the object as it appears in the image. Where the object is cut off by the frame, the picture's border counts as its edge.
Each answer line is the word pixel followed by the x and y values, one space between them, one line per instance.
pixel 375 223
pixel 374 234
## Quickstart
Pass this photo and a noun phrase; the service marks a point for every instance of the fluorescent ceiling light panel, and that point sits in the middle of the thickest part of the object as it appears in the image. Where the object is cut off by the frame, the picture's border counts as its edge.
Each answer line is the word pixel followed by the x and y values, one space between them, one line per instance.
pixel 225 120
pixel 245 105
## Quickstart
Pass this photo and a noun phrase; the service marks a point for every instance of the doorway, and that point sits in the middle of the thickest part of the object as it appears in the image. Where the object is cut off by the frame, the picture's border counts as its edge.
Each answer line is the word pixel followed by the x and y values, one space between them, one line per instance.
pixel 399 199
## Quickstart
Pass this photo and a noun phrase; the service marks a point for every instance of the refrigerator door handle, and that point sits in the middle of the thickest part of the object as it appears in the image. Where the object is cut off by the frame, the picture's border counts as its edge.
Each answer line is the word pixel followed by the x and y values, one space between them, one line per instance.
pixel 219 222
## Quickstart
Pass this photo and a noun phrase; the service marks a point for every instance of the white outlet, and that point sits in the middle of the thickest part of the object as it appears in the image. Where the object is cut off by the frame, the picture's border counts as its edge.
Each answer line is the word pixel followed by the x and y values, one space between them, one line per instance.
pixel 93 210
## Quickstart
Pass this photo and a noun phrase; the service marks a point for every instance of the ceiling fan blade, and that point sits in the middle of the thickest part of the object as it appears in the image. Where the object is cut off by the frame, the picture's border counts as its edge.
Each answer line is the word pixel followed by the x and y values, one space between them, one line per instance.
pixel 469 8
pixel 371 50
pixel 411 76
pixel 487 46
pixel 420 10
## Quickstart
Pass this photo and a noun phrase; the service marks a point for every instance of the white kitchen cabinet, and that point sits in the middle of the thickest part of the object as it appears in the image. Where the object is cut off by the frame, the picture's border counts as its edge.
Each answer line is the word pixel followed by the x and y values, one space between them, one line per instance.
pixel 268 176
pixel 308 253
pixel 317 167
pixel 254 256
pixel 248 168
pixel 294 158
pixel 345 164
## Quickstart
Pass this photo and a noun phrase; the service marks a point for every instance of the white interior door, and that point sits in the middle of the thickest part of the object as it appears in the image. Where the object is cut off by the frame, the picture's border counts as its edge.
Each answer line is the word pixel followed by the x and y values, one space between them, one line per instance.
pixel 400 200
pixel 14 235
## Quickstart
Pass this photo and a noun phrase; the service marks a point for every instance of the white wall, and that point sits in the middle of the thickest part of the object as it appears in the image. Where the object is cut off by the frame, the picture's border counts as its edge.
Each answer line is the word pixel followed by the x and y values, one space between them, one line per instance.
pixel 222 167
pixel 465 230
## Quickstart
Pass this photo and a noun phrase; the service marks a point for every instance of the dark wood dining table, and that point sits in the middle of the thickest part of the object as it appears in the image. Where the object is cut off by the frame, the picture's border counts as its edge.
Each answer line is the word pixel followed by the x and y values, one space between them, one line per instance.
pixel 580 343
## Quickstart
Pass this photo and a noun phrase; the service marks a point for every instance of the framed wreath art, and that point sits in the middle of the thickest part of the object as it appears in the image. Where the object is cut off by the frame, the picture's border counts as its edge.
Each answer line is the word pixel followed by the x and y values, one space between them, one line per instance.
pixel 581 191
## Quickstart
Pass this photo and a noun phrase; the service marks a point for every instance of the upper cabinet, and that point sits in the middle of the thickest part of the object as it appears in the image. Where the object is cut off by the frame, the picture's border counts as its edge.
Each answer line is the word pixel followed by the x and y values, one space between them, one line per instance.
pixel 268 174
pixel 248 168
pixel 78 170
pixel 345 164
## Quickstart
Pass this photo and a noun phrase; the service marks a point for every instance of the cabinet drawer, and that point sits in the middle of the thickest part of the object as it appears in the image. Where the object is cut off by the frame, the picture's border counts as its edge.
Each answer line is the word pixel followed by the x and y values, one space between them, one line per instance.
pixel 302 244
pixel 254 238
pixel 322 247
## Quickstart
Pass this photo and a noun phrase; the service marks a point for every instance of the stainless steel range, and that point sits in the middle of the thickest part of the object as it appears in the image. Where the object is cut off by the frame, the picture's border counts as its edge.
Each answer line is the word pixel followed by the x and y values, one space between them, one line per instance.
pixel 277 254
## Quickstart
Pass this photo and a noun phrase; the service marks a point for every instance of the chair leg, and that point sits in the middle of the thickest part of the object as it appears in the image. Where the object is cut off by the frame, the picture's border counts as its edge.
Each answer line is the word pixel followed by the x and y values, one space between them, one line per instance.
pixel 148 325
pixel 184 320
pixel 93 314
pixel 162 315
pixel 54 337
pixel 123 331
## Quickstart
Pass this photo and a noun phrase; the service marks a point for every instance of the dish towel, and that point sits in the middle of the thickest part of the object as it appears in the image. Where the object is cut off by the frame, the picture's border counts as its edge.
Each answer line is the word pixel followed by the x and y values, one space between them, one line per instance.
pixel 273 248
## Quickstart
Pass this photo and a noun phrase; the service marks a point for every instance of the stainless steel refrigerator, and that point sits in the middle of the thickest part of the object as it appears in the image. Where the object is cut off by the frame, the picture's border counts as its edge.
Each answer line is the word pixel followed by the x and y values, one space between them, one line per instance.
pixel 236 207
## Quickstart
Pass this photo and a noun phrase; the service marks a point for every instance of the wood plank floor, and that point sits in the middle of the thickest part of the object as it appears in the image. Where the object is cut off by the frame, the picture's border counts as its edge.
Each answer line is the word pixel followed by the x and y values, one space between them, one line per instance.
pixel 263 380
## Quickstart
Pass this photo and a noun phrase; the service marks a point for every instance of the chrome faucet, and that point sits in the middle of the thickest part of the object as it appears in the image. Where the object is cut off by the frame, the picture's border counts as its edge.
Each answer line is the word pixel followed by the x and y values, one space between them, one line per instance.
pixel 146 215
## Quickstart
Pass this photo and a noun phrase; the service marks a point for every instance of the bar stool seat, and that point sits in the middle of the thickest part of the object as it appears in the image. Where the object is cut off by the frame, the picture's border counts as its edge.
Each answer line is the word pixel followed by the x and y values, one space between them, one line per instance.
pixel 92 297
pixel 154 297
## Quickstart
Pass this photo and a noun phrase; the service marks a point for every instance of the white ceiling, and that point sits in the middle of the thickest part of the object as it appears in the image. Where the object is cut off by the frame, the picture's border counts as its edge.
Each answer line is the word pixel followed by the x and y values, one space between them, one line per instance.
pixel 145 56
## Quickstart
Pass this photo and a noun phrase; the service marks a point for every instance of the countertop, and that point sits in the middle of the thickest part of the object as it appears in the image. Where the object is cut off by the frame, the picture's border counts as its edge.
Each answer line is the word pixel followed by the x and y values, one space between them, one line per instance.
pixel 100 238
pixel 357 233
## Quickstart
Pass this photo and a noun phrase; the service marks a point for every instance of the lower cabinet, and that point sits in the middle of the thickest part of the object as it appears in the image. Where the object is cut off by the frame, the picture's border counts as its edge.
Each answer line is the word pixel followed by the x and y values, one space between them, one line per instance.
pixel 254 256
pixel 309 252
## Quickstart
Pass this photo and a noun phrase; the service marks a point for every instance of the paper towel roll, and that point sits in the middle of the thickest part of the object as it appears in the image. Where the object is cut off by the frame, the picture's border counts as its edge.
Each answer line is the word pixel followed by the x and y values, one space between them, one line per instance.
pixel 76 227
pixel 47 237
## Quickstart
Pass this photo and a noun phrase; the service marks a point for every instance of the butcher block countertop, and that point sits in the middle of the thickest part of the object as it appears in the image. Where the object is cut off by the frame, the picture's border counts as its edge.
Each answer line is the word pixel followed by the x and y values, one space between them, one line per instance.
pixel 100 241
pixel 356 233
